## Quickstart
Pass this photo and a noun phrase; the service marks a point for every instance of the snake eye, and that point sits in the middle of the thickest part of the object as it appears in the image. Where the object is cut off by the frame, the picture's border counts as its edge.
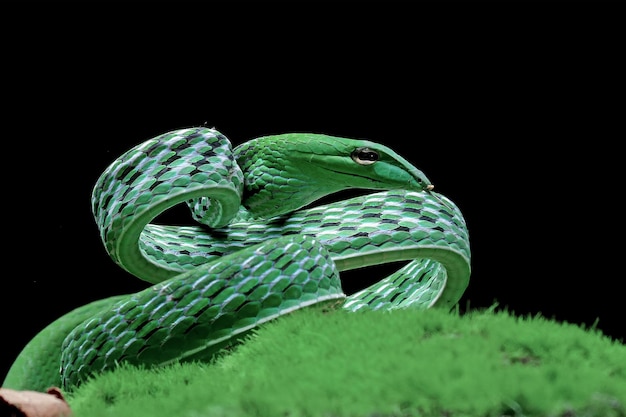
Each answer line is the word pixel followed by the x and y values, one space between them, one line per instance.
pixel 364 156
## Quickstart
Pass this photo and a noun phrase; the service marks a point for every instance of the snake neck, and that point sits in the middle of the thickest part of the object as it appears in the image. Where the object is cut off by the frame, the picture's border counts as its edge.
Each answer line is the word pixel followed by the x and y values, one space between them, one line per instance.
pixel 285 193
pixel 275 182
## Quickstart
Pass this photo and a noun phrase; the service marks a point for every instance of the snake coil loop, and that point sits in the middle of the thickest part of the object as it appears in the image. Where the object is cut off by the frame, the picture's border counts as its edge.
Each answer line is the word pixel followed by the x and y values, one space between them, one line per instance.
pixel 259 250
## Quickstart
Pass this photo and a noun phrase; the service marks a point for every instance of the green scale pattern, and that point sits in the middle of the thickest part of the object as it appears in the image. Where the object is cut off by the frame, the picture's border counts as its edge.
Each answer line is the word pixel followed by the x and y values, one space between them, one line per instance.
pixel 192 316
pixel 377 228
pixel 255 254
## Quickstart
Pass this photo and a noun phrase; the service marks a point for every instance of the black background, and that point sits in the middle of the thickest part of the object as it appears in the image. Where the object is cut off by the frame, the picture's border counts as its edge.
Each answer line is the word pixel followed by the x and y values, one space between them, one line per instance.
pixel 513 113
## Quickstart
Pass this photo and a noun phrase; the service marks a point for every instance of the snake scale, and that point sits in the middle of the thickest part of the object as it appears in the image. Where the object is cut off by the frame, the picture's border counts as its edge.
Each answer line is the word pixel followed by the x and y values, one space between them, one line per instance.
pixel 259 248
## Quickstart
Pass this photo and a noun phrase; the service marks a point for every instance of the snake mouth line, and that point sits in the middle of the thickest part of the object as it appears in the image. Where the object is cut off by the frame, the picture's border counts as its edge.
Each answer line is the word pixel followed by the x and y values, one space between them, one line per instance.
pixel 377 184
pixel 370 179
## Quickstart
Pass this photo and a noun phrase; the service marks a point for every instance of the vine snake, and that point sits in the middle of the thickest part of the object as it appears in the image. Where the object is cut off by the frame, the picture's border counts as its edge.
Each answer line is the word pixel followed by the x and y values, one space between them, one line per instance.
pixel 260 248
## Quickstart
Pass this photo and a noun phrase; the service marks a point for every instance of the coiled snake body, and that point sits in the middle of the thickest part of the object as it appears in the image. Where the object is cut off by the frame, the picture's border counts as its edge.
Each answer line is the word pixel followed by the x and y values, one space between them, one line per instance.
pixel 260 249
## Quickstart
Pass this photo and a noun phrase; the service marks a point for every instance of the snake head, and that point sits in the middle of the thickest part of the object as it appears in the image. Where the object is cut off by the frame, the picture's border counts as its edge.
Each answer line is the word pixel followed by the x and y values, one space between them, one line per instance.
pixel 288 171
pixel 340 163
pixel 381 167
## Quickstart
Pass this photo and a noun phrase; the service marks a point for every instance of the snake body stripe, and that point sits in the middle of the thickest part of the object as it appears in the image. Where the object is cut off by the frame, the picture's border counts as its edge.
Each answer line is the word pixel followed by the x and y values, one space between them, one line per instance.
pixel 256 254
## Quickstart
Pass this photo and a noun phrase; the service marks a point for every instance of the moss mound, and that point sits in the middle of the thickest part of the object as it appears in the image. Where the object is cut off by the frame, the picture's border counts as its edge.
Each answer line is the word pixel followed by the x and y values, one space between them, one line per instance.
pixel 398 363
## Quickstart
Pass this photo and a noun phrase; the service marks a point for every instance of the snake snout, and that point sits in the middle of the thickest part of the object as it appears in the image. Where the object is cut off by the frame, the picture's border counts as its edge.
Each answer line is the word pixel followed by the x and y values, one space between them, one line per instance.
pixel 429 187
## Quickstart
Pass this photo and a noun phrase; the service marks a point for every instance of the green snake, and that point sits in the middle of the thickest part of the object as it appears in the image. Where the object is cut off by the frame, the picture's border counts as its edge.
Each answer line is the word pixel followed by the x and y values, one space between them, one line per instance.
pixel 260 248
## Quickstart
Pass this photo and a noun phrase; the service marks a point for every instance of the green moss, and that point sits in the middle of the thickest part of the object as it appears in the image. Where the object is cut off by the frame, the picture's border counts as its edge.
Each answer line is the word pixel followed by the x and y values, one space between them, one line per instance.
pixel 399 363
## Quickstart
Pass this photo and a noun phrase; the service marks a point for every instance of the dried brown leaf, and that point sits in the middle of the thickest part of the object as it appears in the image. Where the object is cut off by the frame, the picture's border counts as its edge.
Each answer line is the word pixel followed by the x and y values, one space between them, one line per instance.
pixel 22 403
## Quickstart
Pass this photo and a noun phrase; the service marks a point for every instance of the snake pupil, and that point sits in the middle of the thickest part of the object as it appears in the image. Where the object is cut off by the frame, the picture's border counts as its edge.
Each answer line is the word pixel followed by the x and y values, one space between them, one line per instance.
pixel 364 156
